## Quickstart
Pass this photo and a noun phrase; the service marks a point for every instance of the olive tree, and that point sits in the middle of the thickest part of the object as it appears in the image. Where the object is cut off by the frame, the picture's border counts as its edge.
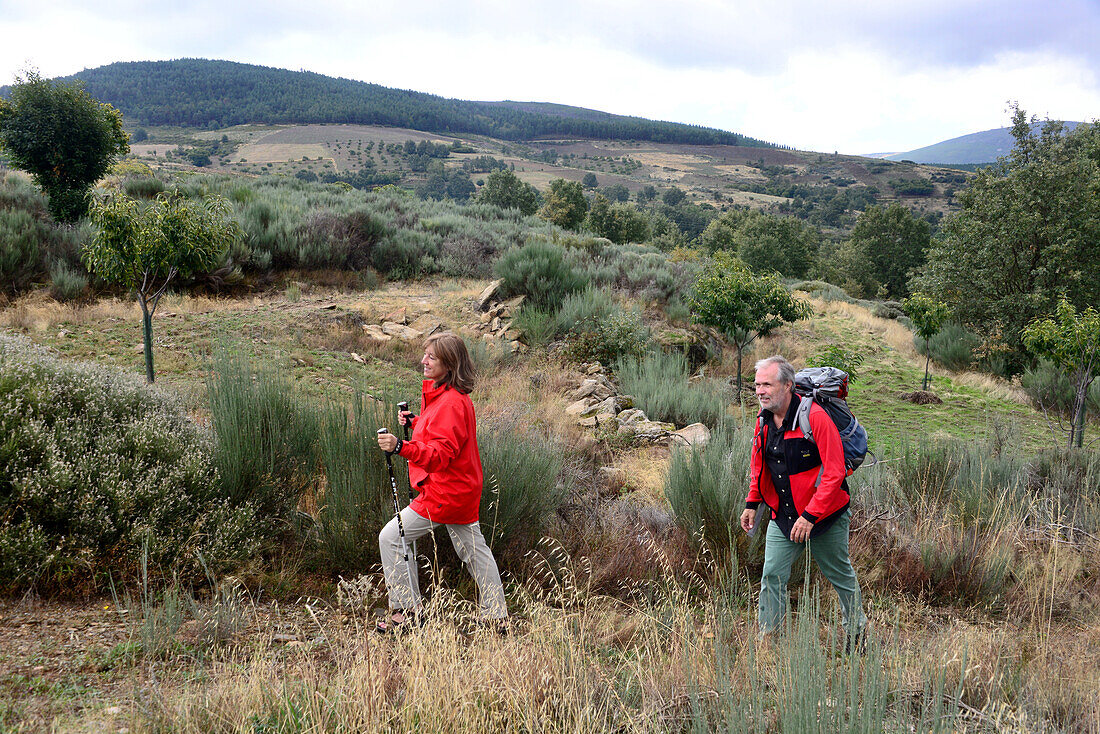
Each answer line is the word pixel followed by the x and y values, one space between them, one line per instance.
pixel 730 297
pixel 928 316
pixel 145 247
pixel 63 137
pixel 1070 340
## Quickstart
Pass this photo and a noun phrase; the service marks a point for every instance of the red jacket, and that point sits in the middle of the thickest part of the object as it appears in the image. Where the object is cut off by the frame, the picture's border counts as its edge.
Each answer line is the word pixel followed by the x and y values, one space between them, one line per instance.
pixel 824 456
pixel 444 463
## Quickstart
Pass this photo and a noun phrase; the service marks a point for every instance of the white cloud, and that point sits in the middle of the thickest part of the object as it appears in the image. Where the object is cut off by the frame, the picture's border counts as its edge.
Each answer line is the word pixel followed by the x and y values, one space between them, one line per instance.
pixel 852 75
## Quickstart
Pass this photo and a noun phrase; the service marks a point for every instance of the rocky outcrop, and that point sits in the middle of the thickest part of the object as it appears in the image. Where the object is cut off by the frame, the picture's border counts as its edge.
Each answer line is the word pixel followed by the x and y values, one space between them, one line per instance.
pixel 494 324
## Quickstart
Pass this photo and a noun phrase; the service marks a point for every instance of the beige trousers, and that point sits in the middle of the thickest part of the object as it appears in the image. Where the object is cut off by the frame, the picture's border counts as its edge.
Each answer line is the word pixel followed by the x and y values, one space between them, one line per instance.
pixel 404 590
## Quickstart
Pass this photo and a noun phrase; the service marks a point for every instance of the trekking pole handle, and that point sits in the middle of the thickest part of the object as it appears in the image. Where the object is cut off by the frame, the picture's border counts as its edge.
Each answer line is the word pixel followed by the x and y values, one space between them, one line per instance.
pixel 382 432
pixel 403 406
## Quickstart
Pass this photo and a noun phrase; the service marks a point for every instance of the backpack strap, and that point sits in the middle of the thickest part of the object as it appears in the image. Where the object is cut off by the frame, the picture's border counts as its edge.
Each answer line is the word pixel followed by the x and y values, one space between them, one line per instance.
pixel 803 416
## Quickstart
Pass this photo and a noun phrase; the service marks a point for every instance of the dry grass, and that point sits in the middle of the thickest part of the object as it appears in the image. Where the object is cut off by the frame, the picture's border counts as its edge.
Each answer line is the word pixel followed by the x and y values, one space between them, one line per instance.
pixel 577 661
pixel 893 333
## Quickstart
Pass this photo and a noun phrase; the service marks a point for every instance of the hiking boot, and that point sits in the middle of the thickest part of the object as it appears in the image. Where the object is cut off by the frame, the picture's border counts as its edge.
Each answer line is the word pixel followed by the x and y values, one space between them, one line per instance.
pixel 857 642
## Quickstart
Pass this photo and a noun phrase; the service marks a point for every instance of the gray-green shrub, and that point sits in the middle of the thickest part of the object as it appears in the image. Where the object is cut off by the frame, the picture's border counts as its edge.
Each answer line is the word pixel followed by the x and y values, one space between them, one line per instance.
pixel 538 270
pixel 67 283
pixel 618 335
pixel 659 383
pixel 96 470
pixel 265 439
pixel 585 307
pixel 522 490
pixel 953 347
pixel 706 489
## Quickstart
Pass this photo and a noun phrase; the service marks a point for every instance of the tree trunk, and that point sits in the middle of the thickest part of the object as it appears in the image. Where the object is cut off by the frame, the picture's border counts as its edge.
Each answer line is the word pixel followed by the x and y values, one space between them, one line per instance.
pixel 1079 418
pixel 739 399
pixel 147 338
pixel 927 359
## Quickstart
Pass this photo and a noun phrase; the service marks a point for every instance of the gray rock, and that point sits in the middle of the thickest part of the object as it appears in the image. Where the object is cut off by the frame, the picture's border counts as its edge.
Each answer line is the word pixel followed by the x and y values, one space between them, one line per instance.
pixel 616 404
pixel 694 435
pixel 400 331
pixel 630 417
pixel 582 407
pixel 653 430
pixel 487 295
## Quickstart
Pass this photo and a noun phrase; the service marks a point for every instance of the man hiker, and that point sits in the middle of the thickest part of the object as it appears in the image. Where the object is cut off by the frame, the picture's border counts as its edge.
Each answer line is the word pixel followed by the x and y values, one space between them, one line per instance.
pixel 802 482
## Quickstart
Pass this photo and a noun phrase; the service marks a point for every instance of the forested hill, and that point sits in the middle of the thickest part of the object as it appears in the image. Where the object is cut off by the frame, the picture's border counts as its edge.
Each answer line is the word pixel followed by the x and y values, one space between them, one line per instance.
pixel 215 94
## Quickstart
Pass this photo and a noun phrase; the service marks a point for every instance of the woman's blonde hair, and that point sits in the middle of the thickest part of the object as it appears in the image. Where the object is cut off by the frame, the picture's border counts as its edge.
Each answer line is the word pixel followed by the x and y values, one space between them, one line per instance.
pixel 451 351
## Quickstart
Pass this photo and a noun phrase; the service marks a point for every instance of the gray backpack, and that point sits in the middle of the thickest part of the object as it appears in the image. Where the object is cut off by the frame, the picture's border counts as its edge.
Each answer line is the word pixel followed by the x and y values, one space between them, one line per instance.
pixel 828 387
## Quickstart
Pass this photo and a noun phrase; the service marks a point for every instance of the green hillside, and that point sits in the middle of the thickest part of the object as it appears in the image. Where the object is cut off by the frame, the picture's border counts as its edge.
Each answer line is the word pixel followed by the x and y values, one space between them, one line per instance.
pixel 984 147
pixel 213 94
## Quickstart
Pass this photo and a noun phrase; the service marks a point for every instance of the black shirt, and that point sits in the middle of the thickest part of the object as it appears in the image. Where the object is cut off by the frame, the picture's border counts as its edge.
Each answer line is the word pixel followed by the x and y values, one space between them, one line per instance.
pixel 775 459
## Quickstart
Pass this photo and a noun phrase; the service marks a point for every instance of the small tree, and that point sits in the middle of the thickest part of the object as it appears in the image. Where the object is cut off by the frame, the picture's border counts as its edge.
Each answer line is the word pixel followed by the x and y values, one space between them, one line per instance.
pixel 589 181
pixel 63 137
pixel 144 248
pixel 565 204
pixel 928 318
pixel 504 189
pixel 743 305
pixel 1071 341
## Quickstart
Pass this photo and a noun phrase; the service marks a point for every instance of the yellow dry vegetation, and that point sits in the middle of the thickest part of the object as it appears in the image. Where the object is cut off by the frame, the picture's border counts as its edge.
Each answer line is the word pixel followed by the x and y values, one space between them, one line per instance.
pixel 280 152
pixel 669 160
pixel 740 171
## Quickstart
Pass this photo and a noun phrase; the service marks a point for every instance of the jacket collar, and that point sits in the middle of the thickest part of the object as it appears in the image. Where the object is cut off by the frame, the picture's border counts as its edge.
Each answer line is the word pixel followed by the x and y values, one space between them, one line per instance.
pixel 430 392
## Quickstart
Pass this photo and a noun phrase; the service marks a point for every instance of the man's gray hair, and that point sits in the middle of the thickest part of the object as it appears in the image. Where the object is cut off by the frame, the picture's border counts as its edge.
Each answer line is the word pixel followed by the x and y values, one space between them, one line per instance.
pixel 786 369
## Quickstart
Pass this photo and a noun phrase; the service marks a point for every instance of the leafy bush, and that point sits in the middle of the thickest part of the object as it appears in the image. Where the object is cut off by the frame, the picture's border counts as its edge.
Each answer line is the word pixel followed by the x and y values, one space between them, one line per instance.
pixel 265 441
pixel 97 470
pixel 539 270
pixel 839 357
pixel 706 489
pixel 659 383
pixel 67 284
pixel 522 489
pixel 952 347
pixel 1049 387
pixel 618 335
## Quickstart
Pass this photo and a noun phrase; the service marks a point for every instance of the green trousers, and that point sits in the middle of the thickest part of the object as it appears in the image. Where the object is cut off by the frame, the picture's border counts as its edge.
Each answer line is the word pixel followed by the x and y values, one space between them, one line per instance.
pixel 830 551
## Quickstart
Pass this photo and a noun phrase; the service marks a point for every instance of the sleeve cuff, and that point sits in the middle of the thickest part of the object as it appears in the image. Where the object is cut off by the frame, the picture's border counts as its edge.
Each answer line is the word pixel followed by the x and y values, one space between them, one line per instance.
pixel 751 505
pixel 811 518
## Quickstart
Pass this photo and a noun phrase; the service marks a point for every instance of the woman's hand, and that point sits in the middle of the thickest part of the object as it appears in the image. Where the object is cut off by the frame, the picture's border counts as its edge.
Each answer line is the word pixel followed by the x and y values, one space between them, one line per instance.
pixel 404 417
pixel 387 442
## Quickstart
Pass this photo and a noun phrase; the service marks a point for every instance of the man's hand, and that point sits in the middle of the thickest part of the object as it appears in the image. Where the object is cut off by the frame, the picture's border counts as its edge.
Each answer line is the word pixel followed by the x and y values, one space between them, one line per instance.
pixel 748 517
pixel 801 530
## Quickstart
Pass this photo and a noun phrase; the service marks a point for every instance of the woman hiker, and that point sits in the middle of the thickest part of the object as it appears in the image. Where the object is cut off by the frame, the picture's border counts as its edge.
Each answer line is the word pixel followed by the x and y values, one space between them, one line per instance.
pixel 445 468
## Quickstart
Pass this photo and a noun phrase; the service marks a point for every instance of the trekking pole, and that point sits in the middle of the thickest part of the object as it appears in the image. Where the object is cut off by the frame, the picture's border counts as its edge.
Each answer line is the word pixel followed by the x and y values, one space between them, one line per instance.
pixel 404 406
pixel 397 510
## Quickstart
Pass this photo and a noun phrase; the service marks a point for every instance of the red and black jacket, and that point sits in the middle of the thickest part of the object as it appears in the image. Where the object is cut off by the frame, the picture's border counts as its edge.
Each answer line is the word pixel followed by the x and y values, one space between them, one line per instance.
pixel 816 468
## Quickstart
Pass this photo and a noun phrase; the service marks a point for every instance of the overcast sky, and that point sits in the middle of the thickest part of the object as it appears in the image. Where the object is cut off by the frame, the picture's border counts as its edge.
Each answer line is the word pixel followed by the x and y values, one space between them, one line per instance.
pixel 854 76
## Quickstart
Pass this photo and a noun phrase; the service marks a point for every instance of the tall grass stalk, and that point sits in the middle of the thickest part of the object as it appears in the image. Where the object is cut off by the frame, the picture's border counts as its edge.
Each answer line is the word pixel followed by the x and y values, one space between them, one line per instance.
pixel 706 489
pixel 265 438
pixel 356 501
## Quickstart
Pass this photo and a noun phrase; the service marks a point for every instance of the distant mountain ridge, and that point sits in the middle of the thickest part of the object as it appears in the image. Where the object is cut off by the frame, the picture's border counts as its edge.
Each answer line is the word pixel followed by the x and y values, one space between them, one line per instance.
pixel 214 94
pixel 984 147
